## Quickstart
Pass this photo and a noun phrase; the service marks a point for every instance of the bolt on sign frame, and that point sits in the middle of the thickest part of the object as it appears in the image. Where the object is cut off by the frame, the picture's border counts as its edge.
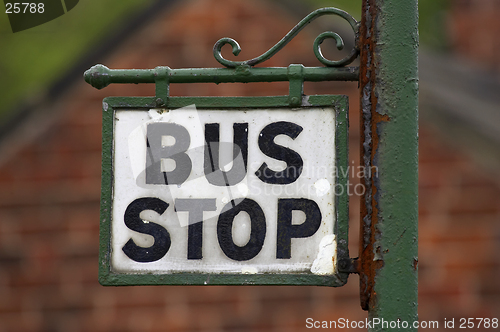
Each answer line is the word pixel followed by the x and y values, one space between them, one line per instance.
pixel 100 76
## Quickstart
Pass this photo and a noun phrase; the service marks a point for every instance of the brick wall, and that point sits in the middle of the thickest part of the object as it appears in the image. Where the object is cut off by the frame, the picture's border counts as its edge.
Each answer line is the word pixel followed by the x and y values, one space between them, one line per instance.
pixel 49 205
pixel 474 28
pixel 459 214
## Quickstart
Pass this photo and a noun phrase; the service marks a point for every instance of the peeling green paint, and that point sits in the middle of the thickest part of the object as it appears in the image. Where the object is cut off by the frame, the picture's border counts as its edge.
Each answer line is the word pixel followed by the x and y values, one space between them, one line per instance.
pixel 391 102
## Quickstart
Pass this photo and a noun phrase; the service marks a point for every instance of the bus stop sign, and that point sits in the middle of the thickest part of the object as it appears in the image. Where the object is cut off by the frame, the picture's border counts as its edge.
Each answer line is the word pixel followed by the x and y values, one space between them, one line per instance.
pixel 226 190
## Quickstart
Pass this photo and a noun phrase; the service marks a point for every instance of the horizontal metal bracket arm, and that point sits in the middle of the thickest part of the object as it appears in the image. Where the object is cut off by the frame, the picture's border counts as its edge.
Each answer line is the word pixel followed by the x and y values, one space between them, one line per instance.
pixel 100 76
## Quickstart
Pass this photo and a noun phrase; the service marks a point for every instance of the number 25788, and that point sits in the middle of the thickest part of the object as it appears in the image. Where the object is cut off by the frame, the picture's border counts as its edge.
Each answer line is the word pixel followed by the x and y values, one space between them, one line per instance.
pixel 24 7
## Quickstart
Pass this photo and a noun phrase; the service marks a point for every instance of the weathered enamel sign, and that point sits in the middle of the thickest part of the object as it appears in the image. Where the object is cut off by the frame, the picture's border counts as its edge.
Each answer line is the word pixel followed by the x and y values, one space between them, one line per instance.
pixel 224 195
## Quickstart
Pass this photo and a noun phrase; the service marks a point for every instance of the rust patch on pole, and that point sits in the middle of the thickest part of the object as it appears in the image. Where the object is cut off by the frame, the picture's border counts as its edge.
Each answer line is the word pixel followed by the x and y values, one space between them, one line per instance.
pixel 389 153
pixel 370 258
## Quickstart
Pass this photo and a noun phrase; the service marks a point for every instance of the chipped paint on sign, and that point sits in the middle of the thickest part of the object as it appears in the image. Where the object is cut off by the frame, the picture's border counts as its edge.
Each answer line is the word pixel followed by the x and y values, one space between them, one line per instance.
pixel 326 261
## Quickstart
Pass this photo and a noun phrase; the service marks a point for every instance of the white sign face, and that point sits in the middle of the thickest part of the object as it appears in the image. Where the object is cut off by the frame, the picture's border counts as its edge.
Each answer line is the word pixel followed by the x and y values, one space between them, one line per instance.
pixel 224 191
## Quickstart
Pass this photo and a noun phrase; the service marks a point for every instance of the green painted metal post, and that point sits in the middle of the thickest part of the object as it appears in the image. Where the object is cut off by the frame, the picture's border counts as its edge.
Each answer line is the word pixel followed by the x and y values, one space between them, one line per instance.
pixel 389 124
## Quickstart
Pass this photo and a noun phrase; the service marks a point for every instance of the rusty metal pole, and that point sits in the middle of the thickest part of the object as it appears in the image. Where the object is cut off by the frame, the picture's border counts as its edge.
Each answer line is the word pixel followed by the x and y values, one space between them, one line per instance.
pixel 389 153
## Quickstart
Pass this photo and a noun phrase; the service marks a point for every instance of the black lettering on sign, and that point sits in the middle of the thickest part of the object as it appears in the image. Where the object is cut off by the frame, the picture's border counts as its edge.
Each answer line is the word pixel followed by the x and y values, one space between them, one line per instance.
pixel 293 160
pixel 287 231
pixel 257 232
pixel 156 152
pixel 213 173
pixel 134 222
pixel 195 207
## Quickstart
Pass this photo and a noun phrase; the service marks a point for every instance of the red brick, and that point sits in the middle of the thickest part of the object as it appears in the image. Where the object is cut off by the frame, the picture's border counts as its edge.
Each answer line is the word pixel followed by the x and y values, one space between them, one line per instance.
pixel 49 204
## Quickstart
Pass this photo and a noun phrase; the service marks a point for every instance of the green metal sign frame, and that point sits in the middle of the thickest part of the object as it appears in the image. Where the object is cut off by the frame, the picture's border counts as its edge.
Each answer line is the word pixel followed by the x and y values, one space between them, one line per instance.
pixel 109 277
pixel 99 76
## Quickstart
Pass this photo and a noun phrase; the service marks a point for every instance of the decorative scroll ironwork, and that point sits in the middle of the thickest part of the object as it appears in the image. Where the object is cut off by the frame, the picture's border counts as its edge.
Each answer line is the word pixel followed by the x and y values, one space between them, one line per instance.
pixel 290 35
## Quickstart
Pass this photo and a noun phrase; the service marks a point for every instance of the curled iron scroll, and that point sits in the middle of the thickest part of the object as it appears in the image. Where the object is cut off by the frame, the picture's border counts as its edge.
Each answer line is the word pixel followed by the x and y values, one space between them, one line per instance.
pixel 290 35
